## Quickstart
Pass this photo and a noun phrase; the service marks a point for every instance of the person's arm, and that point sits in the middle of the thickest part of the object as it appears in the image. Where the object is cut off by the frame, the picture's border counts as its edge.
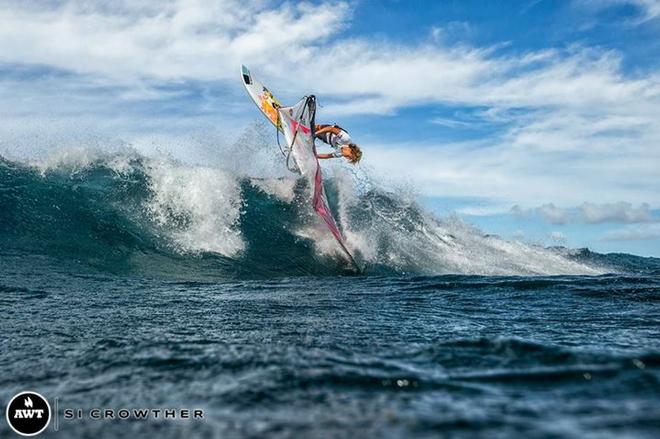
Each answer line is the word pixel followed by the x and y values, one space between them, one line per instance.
pixel 325 156
pixel 328 129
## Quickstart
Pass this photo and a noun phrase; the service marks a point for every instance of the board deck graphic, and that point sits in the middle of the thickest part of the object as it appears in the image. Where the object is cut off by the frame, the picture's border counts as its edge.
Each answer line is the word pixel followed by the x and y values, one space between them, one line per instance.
pixel 266 102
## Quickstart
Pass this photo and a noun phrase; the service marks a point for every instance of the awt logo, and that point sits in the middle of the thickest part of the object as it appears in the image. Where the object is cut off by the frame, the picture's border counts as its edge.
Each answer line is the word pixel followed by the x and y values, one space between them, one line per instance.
pixel 28 413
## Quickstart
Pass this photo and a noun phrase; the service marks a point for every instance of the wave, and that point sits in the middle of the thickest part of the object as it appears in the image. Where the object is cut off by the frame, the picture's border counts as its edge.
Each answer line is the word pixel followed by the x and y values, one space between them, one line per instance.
pixel 124 212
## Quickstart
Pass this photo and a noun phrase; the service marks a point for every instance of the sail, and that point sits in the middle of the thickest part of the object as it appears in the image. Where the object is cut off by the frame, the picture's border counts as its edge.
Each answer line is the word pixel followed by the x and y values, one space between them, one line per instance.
pixel 297 124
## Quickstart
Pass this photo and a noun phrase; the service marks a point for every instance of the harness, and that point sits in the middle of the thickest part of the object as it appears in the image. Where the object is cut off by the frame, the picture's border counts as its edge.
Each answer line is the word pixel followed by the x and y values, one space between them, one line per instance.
pixel 329 136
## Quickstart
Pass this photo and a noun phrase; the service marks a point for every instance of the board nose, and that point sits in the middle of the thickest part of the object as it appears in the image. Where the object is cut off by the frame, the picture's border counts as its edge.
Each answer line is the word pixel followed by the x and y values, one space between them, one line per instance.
pixel 245 73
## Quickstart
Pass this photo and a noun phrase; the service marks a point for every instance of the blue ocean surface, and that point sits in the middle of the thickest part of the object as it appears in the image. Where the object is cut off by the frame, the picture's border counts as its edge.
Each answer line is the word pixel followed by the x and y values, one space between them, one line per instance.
pixel 130 283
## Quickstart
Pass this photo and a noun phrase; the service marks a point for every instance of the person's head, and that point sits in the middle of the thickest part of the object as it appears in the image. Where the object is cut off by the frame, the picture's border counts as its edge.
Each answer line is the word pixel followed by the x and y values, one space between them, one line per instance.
pixel 352 153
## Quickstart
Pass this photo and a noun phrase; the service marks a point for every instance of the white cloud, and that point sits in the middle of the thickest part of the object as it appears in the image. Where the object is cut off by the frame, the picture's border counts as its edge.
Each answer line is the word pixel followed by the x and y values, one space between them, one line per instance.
pixel 590 213
pixel 451 123
pixel 549 212
pixel 634 233
pixel 650 8
pixel 483 210
pixel 180 39
pixel 647 9
pixel 617 212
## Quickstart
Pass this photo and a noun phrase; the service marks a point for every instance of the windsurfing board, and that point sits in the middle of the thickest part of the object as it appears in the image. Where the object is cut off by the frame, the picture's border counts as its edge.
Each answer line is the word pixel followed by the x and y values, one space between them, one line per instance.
pixel 262 97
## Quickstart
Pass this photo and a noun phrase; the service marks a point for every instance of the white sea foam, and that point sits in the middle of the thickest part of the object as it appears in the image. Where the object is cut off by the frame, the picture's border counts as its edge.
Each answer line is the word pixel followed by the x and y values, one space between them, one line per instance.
pixel 77 159
pixel 393 230
pixel 280 188
pixel 200 206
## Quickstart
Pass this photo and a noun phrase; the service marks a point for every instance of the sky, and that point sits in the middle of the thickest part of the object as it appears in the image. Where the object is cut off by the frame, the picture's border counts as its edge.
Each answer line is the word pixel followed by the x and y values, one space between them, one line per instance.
pixel 536 120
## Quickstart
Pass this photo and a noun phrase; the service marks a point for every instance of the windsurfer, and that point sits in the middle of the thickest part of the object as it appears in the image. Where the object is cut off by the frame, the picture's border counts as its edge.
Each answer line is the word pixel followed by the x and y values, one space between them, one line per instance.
pixel 340 140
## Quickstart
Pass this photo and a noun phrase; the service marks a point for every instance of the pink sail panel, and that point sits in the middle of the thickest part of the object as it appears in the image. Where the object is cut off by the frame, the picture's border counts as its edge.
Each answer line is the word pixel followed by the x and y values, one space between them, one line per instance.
pixel 321 206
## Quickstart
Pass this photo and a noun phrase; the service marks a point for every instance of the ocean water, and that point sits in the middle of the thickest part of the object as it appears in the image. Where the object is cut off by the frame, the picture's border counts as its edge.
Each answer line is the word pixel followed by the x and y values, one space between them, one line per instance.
pixel 130 282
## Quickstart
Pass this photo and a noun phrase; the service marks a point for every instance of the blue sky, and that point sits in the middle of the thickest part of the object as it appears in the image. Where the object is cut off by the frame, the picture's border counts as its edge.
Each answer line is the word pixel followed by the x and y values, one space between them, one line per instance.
pixel 536 120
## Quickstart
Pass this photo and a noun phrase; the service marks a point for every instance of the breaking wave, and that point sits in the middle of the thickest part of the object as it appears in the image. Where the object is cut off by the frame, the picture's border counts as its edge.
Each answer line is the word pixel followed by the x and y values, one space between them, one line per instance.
pixel 127 213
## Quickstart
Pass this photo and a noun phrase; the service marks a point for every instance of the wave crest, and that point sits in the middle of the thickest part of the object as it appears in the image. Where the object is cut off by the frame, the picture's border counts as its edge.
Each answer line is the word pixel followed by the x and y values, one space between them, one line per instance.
pixel 129 213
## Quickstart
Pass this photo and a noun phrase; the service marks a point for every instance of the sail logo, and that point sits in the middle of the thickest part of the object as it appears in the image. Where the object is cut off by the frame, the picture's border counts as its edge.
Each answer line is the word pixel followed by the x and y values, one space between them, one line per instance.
pixel 28 413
